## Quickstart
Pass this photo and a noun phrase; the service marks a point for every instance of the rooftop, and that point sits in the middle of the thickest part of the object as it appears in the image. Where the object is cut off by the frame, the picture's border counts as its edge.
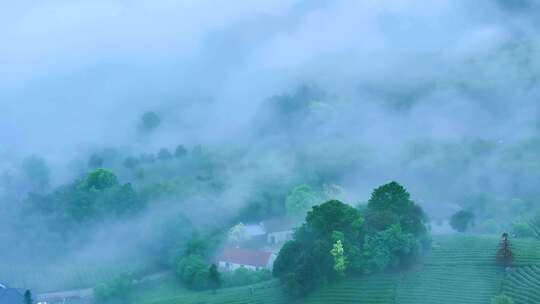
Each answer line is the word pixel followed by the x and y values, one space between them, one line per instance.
pixel 245 257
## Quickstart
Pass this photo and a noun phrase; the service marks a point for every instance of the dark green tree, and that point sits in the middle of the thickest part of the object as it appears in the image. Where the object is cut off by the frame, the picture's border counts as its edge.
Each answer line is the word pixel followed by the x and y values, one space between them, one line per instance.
pixel 214 277
pixel 307 260
pixel 193 272
pixel 505 255
pixel 149 121
pixel 100 179
pixel 180 151
pixel 164 154
pixel 28 297
pixel 391 204
pixel 461 220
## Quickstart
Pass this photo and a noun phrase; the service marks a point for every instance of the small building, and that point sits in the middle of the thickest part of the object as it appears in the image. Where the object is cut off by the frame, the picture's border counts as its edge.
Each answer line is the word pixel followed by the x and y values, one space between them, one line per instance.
pixel 231 259
pixel 11 295
pixel 278 231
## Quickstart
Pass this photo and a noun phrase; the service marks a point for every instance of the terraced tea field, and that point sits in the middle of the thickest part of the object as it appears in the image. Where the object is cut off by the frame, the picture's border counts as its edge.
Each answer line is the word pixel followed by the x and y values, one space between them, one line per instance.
pixel 523 284
pixel 373 289
pixel 458 270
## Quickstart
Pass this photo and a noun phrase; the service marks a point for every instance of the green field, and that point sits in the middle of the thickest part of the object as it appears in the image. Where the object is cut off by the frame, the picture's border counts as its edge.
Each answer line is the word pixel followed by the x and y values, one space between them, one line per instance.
pixel 458 270
pixel 47 278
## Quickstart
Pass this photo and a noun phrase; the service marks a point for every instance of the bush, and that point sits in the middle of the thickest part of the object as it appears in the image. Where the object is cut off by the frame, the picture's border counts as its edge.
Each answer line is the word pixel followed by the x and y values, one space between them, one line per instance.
pixel 194 272
pixel 113 291
pixel 243 276
pixel 502 299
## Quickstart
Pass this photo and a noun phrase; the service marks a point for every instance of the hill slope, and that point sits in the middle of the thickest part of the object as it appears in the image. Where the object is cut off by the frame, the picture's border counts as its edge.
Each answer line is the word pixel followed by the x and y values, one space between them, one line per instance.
pixel 459 269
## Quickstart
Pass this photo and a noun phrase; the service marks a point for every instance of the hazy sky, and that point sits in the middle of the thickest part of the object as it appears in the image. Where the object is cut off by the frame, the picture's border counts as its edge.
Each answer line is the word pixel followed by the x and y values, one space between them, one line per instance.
pixel 78 74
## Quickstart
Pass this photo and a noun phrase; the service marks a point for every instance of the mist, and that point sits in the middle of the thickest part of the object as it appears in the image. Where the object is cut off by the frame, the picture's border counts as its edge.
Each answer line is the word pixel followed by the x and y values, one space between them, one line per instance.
pixel 440 96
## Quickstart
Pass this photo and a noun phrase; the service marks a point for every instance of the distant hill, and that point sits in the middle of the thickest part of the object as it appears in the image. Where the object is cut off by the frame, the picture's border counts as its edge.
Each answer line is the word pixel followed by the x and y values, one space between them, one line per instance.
pixel 459 269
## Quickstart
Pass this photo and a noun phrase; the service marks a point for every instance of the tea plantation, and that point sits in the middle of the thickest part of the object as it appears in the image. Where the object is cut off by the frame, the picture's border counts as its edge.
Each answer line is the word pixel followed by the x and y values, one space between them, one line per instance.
pixel 457 270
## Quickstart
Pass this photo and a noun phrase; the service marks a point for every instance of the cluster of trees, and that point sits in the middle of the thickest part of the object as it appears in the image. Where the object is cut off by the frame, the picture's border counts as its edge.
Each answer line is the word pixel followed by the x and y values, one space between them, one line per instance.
pixel 96 197
pixel 462 220
pixel 337 240
pixel 194 272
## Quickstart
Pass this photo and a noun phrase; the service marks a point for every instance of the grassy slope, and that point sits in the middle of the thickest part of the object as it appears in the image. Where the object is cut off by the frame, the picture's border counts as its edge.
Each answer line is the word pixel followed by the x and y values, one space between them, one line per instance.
pixel 459 269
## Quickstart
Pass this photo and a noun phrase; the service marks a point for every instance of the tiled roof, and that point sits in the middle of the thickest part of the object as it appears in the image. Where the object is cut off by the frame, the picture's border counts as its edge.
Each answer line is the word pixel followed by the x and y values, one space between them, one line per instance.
pixel 245 257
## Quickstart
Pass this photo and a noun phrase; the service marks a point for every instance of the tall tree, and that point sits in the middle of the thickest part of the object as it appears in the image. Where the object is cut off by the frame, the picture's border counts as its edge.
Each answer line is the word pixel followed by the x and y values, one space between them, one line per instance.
pixel 28 297
pixel 505 254
pixel 214 277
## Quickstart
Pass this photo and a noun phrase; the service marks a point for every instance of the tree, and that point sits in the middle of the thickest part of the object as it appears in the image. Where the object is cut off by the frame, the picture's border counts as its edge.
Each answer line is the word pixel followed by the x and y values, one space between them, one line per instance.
pixel 214 277
pixel 461 220
pixel 340 262
pixel 164 154
pixel 300 200
pixel 115 290
pixel 180 151
pixel 193 272
pixel 505 255
pixel 502 299
pixel 149 121
pixel 100 179
pixel 307 260
pixel 28 297
pixel 389 248
pixel 238 234
pixel 391 204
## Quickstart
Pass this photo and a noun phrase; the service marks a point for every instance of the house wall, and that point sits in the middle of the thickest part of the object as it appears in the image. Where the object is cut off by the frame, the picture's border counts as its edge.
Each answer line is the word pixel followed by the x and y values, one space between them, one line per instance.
pixel 227 266
pixel 279 237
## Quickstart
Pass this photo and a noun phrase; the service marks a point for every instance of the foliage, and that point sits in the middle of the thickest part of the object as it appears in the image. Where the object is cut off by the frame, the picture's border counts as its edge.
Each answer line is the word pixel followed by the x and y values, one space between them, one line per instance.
pixel 193 272
pixel 300 200
pixel 390 204
pixel 28 297
pixel 502 299
pixel 100 179
pixel 336 240
pixel 214 277
pixel 149 121
pixel 389 248
pixel 243 276
pixel 115 290
pixel 505 255
pixel 164 154
pixel 306 261
pixel 461 220
pixel 238 233
pixel 340 261
pixel 180 151
pixel 98 196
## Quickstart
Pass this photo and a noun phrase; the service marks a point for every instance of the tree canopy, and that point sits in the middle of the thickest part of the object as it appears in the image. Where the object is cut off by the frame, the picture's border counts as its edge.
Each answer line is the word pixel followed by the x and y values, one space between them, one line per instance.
pixel 338 239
